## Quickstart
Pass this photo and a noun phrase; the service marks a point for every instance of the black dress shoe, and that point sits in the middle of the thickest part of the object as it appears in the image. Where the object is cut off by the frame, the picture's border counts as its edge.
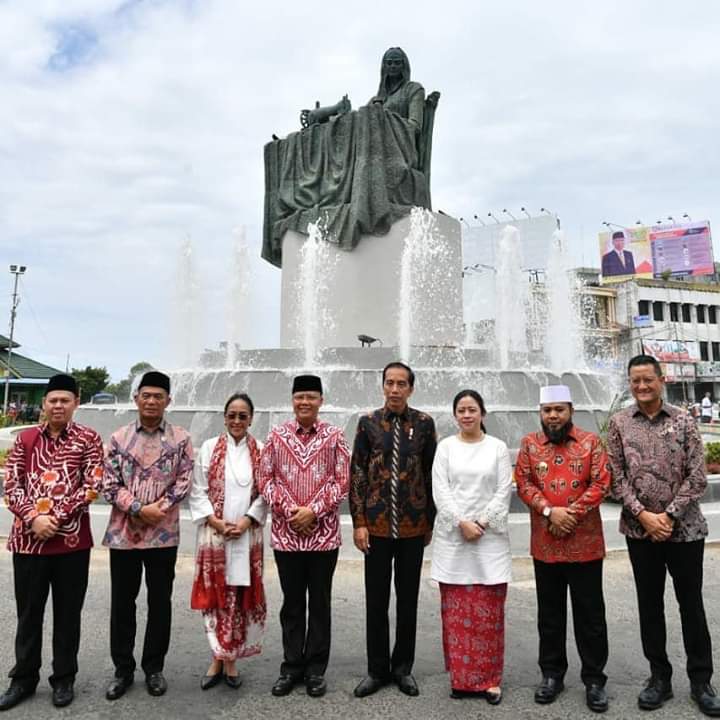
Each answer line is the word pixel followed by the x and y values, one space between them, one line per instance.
pixel 656 692
pixel 284 685
pixel 315 685
pixel 233 681
pixel 596 698
pixel 118 686
pixel 15 694
pixel 368 686
pixel 406 684
pixel 548 690
pixel 156 684
pixel 62 693
pixel 210 681
pixel 704 695
pixel 494 697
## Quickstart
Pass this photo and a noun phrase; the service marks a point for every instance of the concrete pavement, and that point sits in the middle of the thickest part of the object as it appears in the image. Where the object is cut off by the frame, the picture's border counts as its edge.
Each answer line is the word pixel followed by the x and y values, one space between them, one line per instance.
pixel 189 656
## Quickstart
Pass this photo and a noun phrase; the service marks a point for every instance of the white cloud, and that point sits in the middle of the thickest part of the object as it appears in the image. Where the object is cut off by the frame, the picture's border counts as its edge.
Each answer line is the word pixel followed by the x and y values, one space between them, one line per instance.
pixel 149 127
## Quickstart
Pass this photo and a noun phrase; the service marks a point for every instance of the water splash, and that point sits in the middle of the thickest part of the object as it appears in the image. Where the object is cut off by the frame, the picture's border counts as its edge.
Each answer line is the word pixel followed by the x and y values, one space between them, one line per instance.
pixel 186 323
pixel 425 257
pixel 315 313
pixel 237 301
pixel 563 333
pixel 511 293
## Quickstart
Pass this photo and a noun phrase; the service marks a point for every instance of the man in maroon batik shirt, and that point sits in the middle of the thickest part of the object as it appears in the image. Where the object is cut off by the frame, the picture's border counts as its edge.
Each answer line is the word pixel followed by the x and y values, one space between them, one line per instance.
pixel 52 474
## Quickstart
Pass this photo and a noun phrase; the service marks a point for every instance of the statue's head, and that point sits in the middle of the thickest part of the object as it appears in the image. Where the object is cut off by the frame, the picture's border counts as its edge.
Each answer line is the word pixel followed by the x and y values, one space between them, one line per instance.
pixel 395 64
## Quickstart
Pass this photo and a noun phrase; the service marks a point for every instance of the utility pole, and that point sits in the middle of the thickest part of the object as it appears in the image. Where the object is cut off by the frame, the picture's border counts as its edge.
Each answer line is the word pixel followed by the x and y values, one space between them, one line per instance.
pixel 17 271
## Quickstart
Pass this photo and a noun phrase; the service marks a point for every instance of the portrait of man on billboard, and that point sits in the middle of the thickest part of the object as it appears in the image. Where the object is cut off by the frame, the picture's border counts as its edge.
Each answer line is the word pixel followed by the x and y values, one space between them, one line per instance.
pixel 618 261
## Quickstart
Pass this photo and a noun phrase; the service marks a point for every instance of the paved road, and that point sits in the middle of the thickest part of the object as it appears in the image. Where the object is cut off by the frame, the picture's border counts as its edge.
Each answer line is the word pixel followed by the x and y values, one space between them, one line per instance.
pixel 189 657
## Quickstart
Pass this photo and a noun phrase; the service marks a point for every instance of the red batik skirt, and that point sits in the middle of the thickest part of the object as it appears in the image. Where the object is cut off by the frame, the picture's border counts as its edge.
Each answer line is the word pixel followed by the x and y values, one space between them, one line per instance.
pixel 473 627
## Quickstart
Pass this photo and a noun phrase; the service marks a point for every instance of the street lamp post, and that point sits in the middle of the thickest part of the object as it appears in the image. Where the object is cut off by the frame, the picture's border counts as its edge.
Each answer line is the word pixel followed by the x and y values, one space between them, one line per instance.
pixel 17 271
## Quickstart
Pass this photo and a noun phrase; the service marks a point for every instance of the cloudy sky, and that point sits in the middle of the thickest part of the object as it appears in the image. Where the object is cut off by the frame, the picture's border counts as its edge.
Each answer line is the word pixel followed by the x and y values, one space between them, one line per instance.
pixel 128 128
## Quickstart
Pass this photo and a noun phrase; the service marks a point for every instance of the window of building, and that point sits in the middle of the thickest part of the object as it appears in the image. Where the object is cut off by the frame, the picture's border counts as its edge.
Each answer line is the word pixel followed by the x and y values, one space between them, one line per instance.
pixel 712 315
pixel 644 307
pixel 704 355
pixel 686 312
pixel 715 350
pixel 674 312
pixel 658 311
pixel 700 310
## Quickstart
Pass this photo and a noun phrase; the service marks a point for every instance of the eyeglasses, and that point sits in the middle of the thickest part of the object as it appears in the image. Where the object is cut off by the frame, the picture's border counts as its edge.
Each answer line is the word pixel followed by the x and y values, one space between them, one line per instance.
pixel 238 416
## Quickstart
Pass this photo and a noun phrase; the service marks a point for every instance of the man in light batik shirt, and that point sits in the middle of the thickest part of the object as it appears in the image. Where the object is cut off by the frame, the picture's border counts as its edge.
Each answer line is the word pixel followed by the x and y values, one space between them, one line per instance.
pixel 148 471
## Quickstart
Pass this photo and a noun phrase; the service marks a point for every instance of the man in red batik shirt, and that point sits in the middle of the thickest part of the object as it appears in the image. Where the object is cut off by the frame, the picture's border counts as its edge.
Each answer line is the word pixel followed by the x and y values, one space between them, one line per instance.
pixel 304 476
pixel 562 476
pixel 51 476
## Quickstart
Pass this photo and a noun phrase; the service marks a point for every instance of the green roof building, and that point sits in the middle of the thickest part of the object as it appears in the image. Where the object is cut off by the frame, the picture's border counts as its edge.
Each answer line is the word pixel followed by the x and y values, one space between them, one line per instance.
pixel 28 377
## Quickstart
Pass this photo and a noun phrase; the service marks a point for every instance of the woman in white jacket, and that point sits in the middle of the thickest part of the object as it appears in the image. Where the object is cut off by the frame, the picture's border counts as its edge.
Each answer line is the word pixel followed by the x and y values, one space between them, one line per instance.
pixel 230 513
pixel 471 482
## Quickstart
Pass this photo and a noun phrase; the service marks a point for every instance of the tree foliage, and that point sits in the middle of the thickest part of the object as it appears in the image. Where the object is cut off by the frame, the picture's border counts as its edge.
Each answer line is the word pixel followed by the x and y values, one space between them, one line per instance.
pixel 122 389
pixel 91 380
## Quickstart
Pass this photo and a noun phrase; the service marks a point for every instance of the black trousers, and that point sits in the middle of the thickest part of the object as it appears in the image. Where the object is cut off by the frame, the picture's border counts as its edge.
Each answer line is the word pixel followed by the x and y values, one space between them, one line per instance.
pixel 405 557
pixel 67 575
pixel 306 582
pixel 126 567
pixel 584 579
pixel 684 561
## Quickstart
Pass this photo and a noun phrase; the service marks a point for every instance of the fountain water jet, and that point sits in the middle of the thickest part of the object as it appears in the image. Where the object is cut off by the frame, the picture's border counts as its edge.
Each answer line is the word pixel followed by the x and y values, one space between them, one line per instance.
pixel 426 270
pixel 186 336
pixel 563 338
pixel 511 293
pixel 237 301
pixel 312 302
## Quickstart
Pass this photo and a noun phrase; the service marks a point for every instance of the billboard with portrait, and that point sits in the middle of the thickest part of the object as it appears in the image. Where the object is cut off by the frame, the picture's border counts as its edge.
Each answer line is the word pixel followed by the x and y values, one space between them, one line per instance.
pixel 625 254
pixel 671 250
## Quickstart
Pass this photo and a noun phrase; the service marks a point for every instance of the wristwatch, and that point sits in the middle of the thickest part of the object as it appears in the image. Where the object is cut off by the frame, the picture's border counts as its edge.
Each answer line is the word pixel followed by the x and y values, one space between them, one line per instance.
pixel 135 508
pixel 547 510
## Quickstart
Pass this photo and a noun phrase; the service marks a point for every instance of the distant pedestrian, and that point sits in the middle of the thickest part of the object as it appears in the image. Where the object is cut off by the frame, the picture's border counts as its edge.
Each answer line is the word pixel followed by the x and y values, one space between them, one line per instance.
pixel 658 467
pixel 706 409
pixel 148 472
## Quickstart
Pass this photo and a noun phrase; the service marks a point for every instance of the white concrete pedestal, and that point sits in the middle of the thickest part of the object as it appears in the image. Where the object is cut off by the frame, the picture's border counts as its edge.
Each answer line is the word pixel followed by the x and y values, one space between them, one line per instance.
pixel 362 290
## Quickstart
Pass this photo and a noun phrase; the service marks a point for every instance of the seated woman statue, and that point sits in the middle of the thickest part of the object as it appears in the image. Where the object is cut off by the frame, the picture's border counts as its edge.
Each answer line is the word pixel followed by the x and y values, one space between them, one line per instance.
pixel 358 171
pixel 397 93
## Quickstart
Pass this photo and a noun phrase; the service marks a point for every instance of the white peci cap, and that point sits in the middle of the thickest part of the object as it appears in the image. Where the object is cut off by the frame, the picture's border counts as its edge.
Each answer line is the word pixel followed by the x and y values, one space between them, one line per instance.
pixel 555 394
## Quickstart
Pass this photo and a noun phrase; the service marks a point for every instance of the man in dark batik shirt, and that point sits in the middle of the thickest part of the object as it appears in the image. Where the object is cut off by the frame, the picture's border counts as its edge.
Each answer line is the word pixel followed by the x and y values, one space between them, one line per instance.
pixel 393 513
pixel 657 459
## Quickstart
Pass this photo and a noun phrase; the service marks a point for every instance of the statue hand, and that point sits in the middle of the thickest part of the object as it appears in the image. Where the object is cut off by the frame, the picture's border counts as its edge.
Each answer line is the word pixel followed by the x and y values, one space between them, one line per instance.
pixel 344 106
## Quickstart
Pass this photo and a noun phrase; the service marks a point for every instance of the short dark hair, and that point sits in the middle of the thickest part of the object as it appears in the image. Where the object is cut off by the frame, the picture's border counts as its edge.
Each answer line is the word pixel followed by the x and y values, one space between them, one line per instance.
pixel 239 396
pixel 645 360
pixel 400 366
pixel 475 395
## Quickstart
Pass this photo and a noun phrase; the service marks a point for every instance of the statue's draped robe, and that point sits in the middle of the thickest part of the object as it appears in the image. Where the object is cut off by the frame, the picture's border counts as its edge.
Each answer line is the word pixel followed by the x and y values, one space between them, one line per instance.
pixel 358 173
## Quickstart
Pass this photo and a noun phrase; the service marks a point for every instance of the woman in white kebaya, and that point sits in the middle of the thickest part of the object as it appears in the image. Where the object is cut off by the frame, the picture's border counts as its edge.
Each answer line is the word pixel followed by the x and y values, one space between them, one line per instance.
pixel 230 513
pixel 472 481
